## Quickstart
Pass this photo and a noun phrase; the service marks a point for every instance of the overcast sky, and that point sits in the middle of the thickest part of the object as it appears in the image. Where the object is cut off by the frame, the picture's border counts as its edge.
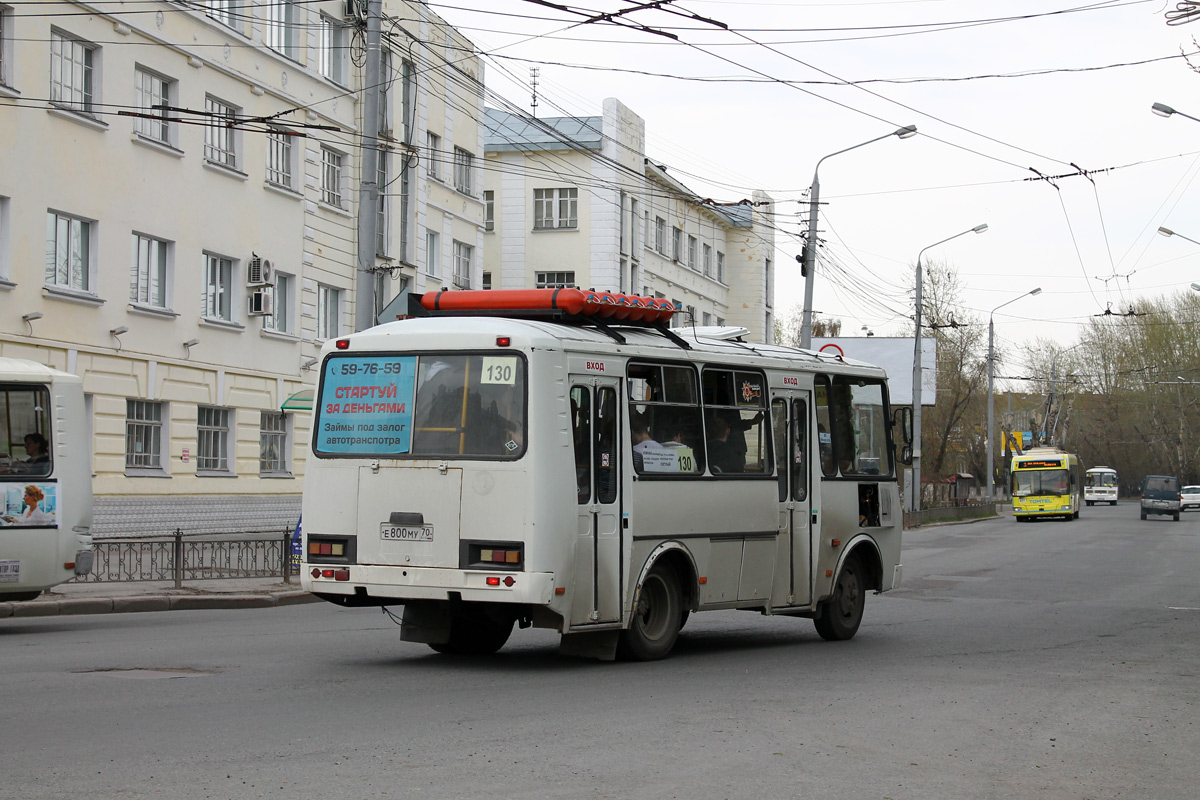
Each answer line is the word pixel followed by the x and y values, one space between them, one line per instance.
pixel 994 88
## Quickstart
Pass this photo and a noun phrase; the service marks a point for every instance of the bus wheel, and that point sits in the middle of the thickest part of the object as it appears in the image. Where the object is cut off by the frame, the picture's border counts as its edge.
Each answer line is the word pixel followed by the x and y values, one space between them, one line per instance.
pixel 657 617
pixel 476 632
pixel 841 615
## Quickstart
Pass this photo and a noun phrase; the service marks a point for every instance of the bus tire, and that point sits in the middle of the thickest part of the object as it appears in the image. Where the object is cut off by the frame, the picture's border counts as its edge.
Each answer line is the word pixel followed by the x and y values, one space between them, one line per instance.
pixel 1112 502
pixel 1176 516
pixel 657 617
pixel 1143 515
pixel 476 632
pixel 839 616
pixel 1091 502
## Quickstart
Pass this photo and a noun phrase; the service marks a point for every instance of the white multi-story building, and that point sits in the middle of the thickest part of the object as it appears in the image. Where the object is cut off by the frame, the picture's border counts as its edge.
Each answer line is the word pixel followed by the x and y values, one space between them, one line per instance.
pixel 179 192
pixel 573 201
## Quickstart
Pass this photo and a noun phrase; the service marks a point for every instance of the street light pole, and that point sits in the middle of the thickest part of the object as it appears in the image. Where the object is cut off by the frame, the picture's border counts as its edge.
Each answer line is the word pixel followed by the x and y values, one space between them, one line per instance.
pixel 917 374
pixel 810 249
pixel 991 422
pixel 1164 110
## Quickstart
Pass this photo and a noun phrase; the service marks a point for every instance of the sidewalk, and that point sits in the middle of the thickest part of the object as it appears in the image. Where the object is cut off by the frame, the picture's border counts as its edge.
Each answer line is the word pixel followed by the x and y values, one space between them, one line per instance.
pixel 119 597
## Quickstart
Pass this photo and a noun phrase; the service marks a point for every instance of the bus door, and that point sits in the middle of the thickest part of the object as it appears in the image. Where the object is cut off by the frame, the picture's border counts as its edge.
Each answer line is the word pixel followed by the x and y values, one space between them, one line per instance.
pixel 789 416
pixel 595 424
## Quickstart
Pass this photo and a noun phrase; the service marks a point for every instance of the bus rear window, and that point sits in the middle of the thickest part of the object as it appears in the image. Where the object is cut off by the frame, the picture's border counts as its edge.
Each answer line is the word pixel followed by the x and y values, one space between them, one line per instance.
pixel 24 430
pixel 426 406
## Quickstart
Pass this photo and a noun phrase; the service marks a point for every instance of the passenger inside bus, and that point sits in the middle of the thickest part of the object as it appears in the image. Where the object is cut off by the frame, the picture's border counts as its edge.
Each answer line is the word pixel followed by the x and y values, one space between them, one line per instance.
pixel 723 456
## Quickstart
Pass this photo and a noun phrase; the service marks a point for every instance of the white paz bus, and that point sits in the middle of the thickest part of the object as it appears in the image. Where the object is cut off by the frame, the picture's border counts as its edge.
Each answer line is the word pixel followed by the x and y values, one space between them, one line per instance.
pixel 562 459
pixel 45 478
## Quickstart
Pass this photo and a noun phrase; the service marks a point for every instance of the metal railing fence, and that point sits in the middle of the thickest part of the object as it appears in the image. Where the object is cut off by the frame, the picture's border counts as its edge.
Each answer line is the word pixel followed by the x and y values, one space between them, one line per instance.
pixel 180 558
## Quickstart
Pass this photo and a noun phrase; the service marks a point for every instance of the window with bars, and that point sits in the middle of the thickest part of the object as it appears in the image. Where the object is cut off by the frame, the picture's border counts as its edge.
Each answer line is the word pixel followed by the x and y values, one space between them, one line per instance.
pixel 280 318
pixel 464 164
pixel 152 90
pixel 72 64
pixel 68 252
pixel 556 280
pixel 463 256
pixel 281 28
pixel 212 444
pixel 555 208
pixel 220 137
pixel 329 301
pixel 143 434
pixel 331 177
pixel 218 287
pixel 273 443
pixel 332 49
pixel 148 273
pixel 280 155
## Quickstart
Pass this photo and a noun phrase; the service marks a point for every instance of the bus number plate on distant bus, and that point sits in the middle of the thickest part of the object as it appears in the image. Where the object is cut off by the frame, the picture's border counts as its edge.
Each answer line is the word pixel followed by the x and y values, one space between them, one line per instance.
pixel 406 533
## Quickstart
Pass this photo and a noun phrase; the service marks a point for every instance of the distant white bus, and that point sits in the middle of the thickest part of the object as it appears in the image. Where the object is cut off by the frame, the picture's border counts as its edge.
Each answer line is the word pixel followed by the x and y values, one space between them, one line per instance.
pixel 597 476
pixel 1100 486
pixel 45 480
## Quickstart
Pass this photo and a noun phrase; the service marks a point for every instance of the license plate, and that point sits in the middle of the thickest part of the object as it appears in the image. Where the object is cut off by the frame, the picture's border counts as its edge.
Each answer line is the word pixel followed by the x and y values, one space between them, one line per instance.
pixel 406 533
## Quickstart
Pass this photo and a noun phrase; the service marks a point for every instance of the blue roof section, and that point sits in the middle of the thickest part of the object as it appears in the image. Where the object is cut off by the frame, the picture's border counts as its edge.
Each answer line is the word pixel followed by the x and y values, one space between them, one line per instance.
pixel 504 131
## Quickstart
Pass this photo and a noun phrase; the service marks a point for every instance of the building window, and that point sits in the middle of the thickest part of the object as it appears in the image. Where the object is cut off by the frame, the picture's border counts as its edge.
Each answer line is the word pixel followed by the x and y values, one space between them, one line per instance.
pixel 6 17
pixel 556 280
pixel 707 318
pixel 385 92
pixel 433 253
pixel 464 164
pixel 770 289
pixel 487 281
pixel 152 90
pixel 660 235
pixel 329 301
pixel 72 65
pixel 224 11
pixel 280 155
pixel 281 33
pixel 334 45
pixel 434 143
pixel 721 267
pixel 220 137
pixel 280 318
pixel 68 252
pixel 143 434
pixel 489 210
pixel 218 287
pixel 381 208
pixel 691 253
pixel 707 261
pixel 212 446
pixel 555 208
pixel 463 255
pixel 331 177
pixel 148 278
pixel 273 443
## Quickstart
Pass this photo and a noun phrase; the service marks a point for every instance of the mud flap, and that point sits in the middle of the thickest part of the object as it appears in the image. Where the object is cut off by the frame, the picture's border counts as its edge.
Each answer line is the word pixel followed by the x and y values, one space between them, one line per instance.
pixel 601 645
pixel 426 622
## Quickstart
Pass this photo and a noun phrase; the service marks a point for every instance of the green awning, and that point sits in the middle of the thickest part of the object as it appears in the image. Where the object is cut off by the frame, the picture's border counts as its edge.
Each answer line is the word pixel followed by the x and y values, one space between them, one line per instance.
pixel 300 401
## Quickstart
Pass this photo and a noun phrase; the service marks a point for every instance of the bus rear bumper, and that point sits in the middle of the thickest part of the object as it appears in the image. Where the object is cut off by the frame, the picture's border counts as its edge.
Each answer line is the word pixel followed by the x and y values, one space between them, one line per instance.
pixel 399 584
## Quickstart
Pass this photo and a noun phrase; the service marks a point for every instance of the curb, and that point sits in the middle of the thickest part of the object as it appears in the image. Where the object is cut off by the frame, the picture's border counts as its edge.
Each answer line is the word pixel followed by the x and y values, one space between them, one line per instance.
pixel 118 605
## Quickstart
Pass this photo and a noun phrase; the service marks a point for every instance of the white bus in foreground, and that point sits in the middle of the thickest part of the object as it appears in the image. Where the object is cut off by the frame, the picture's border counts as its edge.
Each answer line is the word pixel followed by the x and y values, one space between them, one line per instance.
pixel 46 480
pixel 1100 486
pixel 599 476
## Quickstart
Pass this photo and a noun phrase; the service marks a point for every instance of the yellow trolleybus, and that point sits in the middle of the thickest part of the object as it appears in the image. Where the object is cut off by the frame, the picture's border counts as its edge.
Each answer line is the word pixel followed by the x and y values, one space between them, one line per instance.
pixel 1046 482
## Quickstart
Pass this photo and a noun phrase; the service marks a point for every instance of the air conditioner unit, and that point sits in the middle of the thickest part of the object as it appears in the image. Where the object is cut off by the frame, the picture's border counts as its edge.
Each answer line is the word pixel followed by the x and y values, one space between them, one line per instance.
pixel 354 10
pixel 260 303
pixel 260 272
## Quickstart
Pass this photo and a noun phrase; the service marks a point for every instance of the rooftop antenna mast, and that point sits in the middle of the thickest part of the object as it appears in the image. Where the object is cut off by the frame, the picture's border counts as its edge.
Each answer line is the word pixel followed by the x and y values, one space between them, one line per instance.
pixel 533 78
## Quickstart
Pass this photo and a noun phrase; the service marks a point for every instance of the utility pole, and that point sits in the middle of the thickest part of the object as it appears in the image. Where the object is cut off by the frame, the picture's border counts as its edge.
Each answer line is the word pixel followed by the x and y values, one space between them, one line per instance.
pixel 368 294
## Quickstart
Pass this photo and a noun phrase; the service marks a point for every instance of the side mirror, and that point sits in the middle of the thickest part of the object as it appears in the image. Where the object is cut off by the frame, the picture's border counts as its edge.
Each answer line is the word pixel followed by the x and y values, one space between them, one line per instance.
pixel 906 455
pixel 902 418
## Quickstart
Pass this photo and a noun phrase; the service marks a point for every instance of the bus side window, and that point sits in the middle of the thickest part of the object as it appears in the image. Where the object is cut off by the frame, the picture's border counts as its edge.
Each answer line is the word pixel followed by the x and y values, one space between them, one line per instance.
pixel 824 427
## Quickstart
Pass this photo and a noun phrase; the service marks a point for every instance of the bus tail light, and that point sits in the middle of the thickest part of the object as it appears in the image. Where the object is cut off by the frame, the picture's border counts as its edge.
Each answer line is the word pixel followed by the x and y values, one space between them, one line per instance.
pixel 496 580
pixel 336 574
pixel 503 341
pixel 492 555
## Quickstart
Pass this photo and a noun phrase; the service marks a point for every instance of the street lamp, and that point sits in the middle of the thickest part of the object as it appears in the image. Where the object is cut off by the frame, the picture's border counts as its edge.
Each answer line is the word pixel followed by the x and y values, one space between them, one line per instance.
pixel 1164 110
pixel 810 251
pixel 917 372
pixel 1168 233
pixel 991 375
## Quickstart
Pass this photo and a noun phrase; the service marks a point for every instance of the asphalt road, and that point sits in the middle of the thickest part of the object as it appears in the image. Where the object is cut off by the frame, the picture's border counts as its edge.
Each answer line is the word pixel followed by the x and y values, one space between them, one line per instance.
pixel 1047 660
